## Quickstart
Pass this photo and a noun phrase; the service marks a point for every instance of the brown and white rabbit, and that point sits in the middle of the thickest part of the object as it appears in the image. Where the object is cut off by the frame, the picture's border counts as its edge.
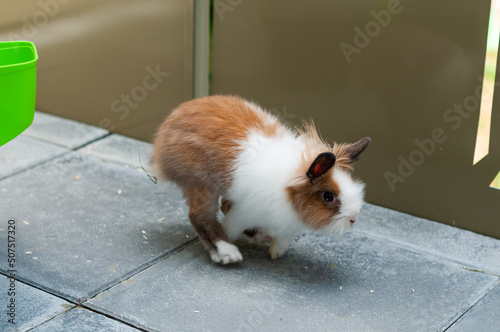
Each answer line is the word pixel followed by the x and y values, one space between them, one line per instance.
pixel 275 182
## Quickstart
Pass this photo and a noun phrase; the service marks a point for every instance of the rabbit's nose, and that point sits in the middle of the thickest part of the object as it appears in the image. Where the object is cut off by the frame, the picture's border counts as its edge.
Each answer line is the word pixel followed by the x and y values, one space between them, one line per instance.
pixel 352 221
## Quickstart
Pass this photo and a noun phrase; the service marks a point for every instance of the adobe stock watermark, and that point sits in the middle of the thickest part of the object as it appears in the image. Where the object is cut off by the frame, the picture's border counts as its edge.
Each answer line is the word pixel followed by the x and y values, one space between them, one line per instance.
pixel 363 37
pixel 127 101
pixel 40 19
pixel 426 147
pixel 11 271
pixel 282 114
pixel 256 318
pixel 223 6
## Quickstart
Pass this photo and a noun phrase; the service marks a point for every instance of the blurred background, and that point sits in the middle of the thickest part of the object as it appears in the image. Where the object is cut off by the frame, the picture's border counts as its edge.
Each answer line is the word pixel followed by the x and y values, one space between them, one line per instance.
pixel 418 77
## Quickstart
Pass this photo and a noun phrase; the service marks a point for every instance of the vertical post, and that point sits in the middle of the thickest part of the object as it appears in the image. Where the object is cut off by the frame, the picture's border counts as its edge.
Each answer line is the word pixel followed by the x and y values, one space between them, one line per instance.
pixel 201 48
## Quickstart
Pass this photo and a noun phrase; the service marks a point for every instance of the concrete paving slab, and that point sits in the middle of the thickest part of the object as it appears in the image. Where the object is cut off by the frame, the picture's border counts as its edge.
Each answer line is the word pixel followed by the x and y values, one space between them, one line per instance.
pixel 24 152
pixel 322 284
pixel 82 225
pixel 65 132
pixel 484 317
pixel 80 319
pixel 121 149
pixel 468 248
pixel 32 306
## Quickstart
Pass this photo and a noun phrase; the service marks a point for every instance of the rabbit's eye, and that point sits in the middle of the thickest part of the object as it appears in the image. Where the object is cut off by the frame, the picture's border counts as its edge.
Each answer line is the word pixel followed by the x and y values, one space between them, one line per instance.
pixel 328 196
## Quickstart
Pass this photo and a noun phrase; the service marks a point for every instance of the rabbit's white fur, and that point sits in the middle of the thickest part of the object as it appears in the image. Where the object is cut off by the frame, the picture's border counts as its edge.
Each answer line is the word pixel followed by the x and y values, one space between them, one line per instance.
pixel 265 167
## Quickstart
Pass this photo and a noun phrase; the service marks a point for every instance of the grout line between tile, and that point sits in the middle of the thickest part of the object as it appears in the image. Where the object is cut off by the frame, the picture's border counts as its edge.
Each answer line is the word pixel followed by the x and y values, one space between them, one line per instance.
pixel 129 275
pixel 44 140
pixel 89 309
pixel 41 288
pixel 472 306
pixel 139 327
pixel 92 141
pixel 51 318
pixel 36 164
pixel 111 284
pixel 423 250
pixel 69 150
pixel 141 268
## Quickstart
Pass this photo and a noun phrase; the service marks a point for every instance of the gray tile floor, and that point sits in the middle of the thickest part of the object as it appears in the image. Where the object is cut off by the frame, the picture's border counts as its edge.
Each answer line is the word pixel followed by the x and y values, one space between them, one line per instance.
pixel 99 247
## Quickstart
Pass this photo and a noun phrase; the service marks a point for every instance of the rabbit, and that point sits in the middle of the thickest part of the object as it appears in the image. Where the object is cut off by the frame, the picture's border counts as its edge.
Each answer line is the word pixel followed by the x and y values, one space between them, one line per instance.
pixel 274 181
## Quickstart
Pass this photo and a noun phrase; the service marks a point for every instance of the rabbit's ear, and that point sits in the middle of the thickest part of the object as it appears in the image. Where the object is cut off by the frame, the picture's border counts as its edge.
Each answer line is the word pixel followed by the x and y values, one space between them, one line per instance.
pixel 355 149
pixel 323 162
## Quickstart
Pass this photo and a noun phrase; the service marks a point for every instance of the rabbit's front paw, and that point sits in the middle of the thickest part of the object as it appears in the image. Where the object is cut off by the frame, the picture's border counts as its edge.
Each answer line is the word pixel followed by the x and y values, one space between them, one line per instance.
pixel 226 253
pixel 279 247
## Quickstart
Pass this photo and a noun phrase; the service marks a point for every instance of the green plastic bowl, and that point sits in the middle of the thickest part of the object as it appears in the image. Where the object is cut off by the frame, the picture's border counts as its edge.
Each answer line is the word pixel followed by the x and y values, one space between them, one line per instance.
pixel 17 88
